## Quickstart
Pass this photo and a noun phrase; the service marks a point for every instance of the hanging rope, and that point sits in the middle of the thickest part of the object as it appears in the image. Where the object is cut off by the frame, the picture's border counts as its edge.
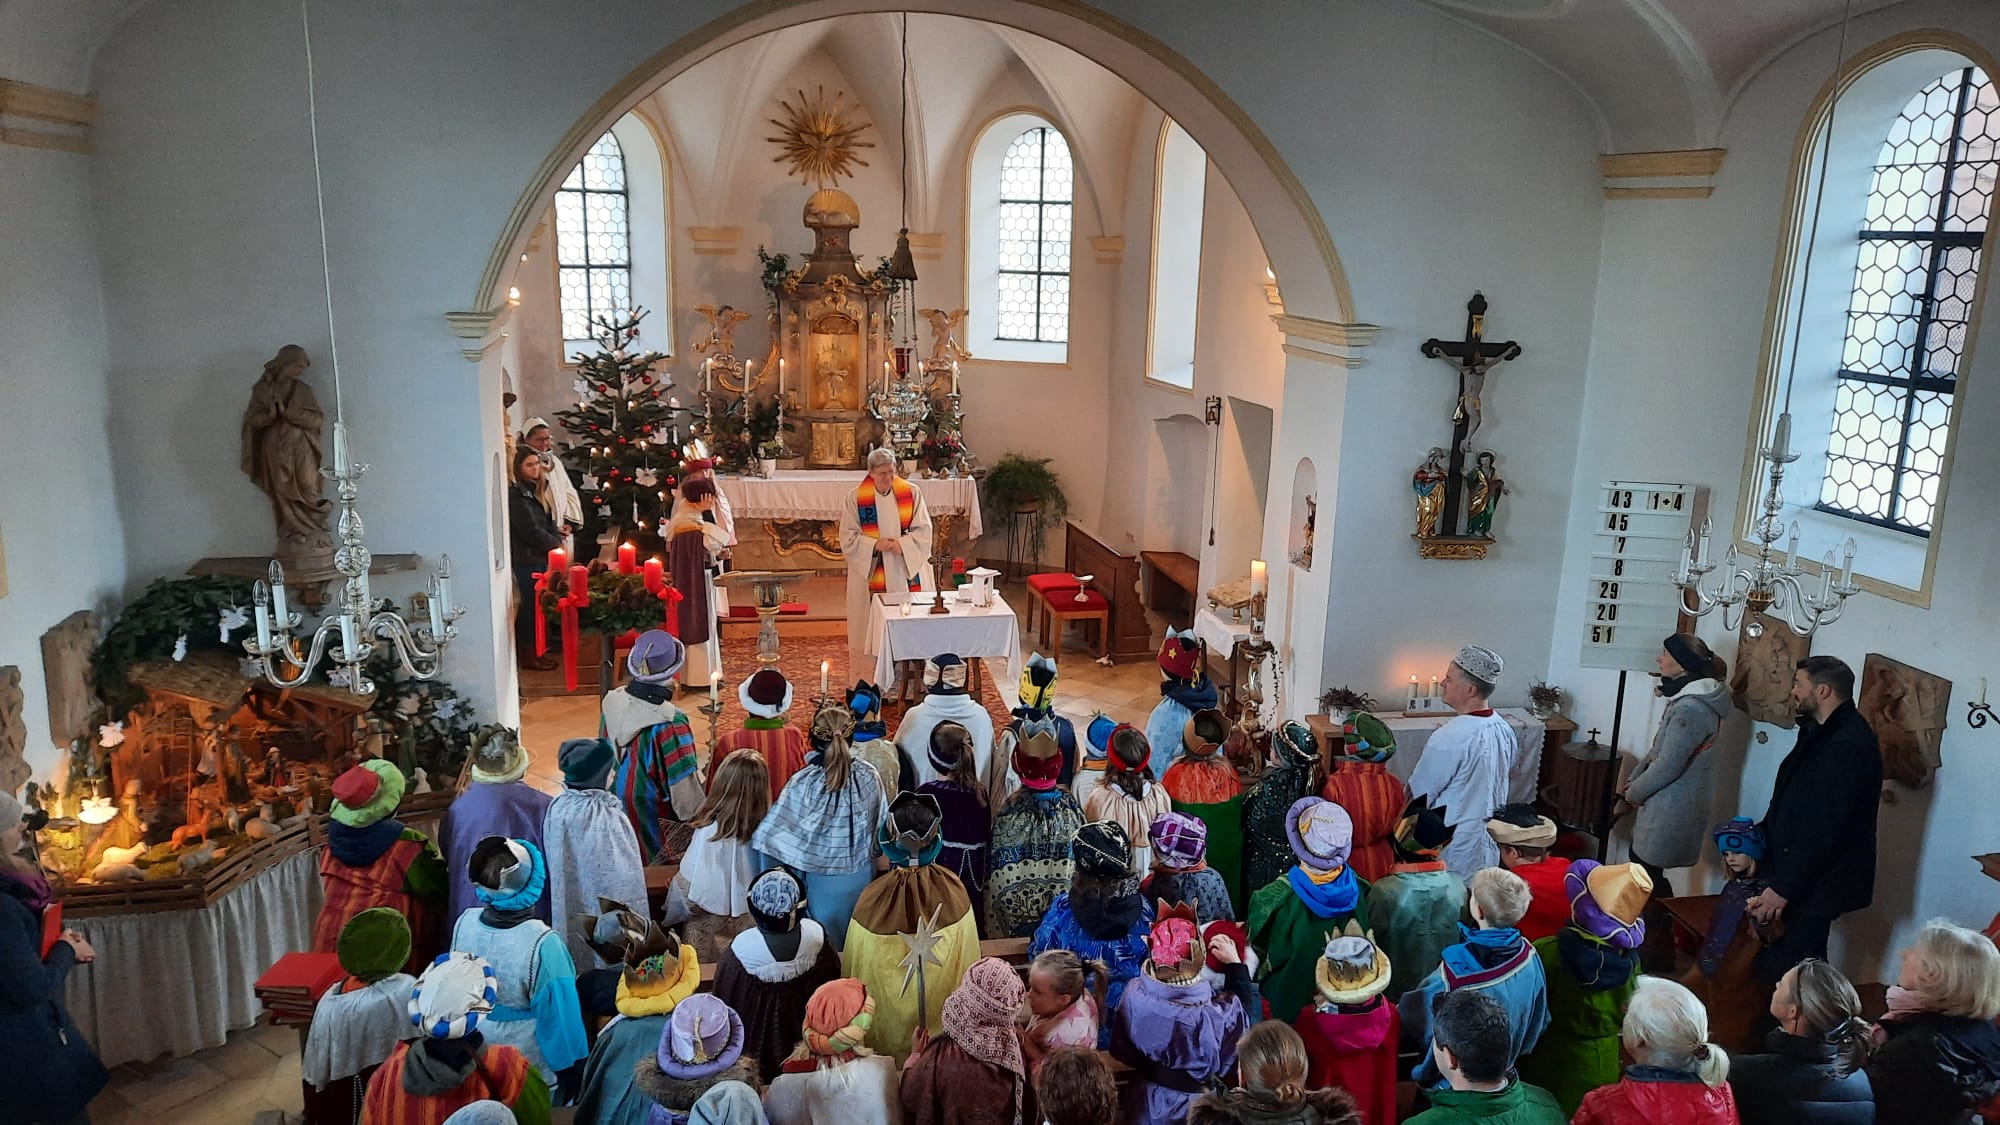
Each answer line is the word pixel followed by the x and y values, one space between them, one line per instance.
pixel 1819 199
pixel 319 199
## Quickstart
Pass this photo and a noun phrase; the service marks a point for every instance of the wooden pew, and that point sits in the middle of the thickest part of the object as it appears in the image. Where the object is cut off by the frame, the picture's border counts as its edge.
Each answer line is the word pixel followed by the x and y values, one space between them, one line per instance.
pixel 1175 577
pixel 1116 576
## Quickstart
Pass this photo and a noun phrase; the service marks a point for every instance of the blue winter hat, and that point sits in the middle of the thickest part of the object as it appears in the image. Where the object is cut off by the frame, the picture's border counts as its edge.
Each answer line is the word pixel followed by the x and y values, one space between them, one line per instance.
pixel 585 762
pixel 1740 834
pixel 1098 735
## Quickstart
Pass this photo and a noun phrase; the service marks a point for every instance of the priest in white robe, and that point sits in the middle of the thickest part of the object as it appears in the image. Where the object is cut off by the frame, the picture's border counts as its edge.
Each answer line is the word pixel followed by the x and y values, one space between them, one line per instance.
pixel 885 533
pixel 1466 764
pixel 559 494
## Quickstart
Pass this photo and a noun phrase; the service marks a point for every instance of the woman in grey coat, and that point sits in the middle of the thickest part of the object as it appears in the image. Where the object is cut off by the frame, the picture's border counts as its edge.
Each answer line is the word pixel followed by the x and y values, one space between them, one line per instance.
pixel 1670 788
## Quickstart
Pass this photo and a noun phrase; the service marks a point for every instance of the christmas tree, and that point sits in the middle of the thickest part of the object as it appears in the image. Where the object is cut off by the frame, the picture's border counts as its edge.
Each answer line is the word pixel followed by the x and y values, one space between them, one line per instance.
pixel 626 418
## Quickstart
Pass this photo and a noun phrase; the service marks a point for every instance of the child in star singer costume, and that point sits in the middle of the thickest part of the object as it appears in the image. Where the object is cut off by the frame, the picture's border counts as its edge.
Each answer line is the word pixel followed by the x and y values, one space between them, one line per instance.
pixel 538 1012
pixel 1038 704
pixel 450 1065
pixel 833 1076
pixel 1102 917
pixel 946 700
pixel 1129 796
pixel 870 739
pixel 766 697
pixel 770 973
pixel 1373 797
pixel 1203 784
pixel 701 1050
pixel 823 824
pixel 1351 1031
pixel 1524 838
pixel 1495 960
pixel 918 909
pixel 1066 1005
pixel 1290 917
pixel 973 1071
pixel 1184 689
pixel 1592 967
pixel 1090 770
pixel 656 778
pixel 1180 869
pixel 497 803
pixel 1724 977
pixel 372 860
pixel 591 851
pixel 1417 904
pixel 1293 771
pixel 658 974
pixel 1030 856
pixel 720 863
pixel 1174 1029
pixel 359 1021
pixel 966 807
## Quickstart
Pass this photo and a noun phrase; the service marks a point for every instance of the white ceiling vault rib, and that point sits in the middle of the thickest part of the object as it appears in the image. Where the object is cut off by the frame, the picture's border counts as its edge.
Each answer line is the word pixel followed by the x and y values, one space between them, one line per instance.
pixel 1662 72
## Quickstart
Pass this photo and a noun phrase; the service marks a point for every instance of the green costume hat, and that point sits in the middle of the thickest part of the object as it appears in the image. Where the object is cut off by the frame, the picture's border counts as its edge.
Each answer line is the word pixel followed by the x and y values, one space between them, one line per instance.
pixel 374 943
pixel 1367 738
pixel 367 793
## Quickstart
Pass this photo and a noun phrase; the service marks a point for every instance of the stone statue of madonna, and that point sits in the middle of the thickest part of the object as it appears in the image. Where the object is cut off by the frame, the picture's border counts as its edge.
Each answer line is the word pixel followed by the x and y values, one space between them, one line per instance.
pixel 281 454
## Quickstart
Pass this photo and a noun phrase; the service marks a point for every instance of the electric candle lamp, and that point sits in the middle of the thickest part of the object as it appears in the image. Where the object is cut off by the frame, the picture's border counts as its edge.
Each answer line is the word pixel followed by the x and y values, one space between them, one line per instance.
pixel 1434 687
pixel 280 612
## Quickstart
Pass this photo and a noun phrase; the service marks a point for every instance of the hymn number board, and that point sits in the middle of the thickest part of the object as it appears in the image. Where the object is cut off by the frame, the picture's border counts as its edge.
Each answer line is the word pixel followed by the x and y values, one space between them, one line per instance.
pixel 1636 547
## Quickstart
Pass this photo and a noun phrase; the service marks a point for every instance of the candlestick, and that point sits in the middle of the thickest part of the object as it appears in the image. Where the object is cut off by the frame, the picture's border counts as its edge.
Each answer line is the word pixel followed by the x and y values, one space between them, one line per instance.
pixel 350 642
pixel 1260 583
pixel 280 612
pixel 444 582
pixel 1413 693
pixel 826 670
pixel 1847 564
pixel 341 462
pixel 262 596
pixel 1687 557
pixel 628 557
pixel 1826 578
pixel 954 376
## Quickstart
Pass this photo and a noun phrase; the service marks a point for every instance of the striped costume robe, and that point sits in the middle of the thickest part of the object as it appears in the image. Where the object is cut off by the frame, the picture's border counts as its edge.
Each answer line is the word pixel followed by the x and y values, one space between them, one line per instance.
pixel 656 776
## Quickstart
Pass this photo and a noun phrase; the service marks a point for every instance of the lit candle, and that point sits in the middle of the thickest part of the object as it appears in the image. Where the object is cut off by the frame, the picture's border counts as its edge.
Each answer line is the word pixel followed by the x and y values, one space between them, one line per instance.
pixel 280 612
pixel 558 558
pixel 826 670
pixel 263 600
pixel 1260 583
pixel 653 572
pixel 1413 691
pixel 1847 566
pixel 708 374
pixel 1434 687
pixel 1792 550
pixel 628 557
pixel 954 376
pixel 887 377
pixel 781 384
pixel 579 585
pixel 715 688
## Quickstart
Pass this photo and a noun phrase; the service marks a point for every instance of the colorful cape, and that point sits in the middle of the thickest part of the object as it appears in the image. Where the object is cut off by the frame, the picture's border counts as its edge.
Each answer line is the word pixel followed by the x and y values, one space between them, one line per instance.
pixel 1293 939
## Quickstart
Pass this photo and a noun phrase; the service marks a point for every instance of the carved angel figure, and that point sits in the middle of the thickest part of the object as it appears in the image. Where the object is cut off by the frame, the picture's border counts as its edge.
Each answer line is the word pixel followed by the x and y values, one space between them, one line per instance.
pixel 722 323
pixel 945 349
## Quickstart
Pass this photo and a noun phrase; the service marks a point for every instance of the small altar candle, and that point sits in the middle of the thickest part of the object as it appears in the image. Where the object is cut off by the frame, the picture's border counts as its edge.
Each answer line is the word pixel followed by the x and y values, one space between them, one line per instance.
pixel 954 376
pixel 558 558
pixel 628 557
pixel 1260 582
pixel 1847 565
pixel 579 585
pixel 1413 691
pixel 340 458
pixel 708 374
pixel 888 376
pixel 781 383
pixel 1434 687
pixel 1826 579
pixel 715 688
pixel 1701 553
pixel 826 670
pixel 653 571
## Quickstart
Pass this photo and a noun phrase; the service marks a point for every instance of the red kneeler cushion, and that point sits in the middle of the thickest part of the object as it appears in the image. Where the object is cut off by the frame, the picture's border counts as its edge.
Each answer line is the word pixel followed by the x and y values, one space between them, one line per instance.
pixel 1049 583
pixel 785 609
pixel 1065 601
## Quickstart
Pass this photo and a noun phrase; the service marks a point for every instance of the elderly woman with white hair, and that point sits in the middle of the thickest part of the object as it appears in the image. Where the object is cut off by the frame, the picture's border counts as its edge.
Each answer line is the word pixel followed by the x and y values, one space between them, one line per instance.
pixel 885 533
pixel 1677 1076
pixel 1938 1053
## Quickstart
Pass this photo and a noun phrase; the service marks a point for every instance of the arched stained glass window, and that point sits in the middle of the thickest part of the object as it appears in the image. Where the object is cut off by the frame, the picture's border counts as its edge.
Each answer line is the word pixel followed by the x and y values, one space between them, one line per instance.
pixel 593 240
pixel 1036 186
pixel 1914 283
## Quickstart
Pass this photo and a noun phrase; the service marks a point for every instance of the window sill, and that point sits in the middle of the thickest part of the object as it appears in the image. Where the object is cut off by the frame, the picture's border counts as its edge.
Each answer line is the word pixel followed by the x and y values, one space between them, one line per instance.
pixel 1021 352
pixel 1167 385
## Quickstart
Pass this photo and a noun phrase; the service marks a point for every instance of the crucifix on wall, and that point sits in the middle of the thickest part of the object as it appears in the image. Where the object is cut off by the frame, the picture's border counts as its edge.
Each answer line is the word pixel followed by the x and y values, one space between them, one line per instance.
pixel 1445 488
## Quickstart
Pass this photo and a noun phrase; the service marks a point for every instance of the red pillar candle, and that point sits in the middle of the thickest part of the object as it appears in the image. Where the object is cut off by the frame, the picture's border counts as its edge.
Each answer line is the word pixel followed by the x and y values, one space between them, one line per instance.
pixel 628 556
pixel 557 560
pixel 579 585
pixel 654 572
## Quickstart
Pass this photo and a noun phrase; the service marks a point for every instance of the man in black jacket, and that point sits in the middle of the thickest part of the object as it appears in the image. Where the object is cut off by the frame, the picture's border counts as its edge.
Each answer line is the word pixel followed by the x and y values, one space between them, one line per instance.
pixel 1819 831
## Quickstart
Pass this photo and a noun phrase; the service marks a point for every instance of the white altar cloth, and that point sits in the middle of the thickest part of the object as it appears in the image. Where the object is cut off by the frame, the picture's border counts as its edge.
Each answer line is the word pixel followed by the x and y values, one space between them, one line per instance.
pixel 989 632
pixel 1219 633
pixel 820 494
pixel 178 981
pixel 1411 734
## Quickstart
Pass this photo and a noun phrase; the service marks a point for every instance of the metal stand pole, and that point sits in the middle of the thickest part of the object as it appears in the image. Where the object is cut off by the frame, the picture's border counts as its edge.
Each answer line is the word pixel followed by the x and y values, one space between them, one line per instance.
pixel 1609 794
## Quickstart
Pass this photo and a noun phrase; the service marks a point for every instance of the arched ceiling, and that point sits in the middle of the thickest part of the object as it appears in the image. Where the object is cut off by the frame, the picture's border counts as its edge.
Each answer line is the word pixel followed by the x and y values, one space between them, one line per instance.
pixel 1662 73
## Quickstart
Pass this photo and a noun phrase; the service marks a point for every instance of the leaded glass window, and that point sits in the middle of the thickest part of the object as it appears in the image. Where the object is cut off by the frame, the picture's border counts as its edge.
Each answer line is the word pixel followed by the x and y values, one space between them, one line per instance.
pixel 1036 181
pixel 593 240
pixel 1914 279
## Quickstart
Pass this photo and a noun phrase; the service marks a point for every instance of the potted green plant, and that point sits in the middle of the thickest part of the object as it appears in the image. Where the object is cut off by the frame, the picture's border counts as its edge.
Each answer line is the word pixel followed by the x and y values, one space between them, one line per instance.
pixel 1019 483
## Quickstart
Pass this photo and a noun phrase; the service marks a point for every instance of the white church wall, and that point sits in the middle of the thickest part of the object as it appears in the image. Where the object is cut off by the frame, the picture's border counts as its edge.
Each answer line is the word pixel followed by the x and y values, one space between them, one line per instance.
pixel 205 202
pixel 62 547
pixel 1683 297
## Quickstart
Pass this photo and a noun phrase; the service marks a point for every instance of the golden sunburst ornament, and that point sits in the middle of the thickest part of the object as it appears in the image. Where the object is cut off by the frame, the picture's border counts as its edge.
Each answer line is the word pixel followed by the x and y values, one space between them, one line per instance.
pixel 819 139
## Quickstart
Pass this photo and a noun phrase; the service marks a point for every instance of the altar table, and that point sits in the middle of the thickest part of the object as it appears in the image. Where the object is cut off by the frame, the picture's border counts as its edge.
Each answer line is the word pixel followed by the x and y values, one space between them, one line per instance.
pixel 991 632
pixel 1411 734
pixel 823 494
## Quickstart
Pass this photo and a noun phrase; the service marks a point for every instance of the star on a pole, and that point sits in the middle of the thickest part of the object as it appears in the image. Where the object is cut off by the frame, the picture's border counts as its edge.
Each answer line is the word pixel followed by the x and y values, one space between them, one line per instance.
pixel 922 947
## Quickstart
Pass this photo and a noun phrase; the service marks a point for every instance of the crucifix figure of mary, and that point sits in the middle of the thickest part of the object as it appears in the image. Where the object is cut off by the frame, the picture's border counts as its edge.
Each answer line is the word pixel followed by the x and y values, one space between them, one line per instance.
pixel 1473 357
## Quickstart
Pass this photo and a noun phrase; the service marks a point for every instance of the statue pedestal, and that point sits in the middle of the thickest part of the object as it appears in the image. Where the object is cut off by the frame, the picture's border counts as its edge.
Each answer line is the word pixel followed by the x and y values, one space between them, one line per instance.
pixel 311 582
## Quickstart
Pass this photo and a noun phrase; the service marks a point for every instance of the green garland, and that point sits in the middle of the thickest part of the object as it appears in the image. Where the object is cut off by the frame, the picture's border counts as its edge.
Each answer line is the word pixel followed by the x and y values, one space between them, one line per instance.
pixel 619 603
pixel 148 629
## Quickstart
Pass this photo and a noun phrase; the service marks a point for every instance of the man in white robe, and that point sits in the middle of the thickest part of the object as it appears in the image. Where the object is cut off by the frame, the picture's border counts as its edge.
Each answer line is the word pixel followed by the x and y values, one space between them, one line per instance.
pixel 901 547
pixel 946 700
pixel 559 494
pixel 1466 764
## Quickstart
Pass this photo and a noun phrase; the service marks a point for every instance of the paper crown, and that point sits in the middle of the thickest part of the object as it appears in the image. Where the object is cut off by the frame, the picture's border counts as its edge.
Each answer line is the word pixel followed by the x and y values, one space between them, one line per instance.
pixel 1352 969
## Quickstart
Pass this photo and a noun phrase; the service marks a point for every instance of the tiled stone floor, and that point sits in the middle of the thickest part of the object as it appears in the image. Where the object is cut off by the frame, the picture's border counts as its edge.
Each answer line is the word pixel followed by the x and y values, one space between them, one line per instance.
pixel 253 1079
